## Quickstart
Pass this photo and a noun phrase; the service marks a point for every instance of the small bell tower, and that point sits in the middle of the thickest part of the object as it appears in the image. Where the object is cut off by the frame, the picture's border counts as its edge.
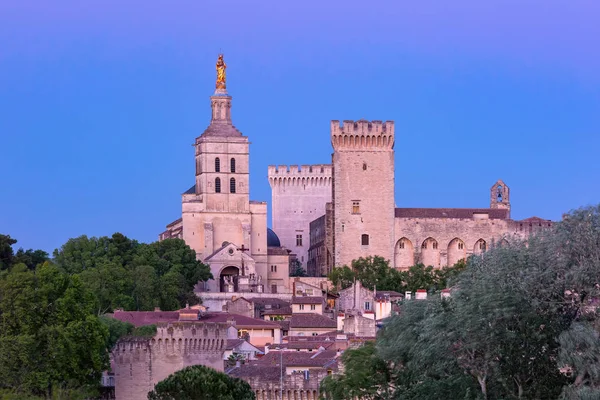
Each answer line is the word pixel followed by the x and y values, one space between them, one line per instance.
pixel 500 196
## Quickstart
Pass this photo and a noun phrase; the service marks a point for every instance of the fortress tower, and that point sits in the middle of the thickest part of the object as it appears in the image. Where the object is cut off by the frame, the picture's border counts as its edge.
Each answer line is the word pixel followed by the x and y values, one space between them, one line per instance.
pixel 299 195
pixel 363 190
pixel 140 362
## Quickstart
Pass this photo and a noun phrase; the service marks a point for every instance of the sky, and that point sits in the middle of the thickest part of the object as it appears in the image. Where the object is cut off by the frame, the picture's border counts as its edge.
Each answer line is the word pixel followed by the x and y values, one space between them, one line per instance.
pixel 101 100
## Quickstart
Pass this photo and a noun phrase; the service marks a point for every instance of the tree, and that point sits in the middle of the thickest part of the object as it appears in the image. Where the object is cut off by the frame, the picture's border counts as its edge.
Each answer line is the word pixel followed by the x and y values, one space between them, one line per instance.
pixel 123 273
pixel 50 337
pixel 375 273
pixel 367 376
pixel 31 258
pixel 6 251
pixel 201 383
pixel 296 269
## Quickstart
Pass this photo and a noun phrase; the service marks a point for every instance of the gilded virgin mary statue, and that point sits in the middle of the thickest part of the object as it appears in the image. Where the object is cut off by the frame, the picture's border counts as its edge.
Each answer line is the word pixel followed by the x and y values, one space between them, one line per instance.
pixel 221 67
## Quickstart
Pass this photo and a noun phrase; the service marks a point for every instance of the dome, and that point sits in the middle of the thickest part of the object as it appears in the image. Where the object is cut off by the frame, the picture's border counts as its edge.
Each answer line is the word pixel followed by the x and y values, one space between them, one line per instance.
pixel 272 239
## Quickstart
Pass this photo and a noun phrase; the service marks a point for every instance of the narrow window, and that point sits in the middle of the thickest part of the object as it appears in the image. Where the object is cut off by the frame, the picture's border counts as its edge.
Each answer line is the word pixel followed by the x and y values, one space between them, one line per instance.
pixel 217 165
pixel 298 240
pixel 364 166
pixel 434 245
pixel 364 239
pixel 232 185
pixel 401 245
pixel 313 307
pixel 232 165
pixel 217 184
pixel 461 245
pixel 499 193
pixel 367 305
pixel 424 245
pixel 302 306
pixel 356 207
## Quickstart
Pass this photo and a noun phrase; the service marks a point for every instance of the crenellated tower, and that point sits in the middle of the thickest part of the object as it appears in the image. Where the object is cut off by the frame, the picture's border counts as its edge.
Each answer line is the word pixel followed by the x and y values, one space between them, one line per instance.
pixel 363 190
pixel 299 195
pixel 141 362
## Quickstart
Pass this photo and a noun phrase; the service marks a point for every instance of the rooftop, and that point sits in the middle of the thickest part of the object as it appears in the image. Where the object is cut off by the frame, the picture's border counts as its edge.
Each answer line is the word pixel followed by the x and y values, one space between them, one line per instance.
pixel 461 213
pixel 310 320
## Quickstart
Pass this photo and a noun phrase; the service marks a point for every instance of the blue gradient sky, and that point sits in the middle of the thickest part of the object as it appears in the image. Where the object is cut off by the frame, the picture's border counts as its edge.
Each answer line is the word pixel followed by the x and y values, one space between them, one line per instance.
pixel 100 101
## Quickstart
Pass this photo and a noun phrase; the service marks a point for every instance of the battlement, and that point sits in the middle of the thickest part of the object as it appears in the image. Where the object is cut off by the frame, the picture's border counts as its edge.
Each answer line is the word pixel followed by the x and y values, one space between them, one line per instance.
pixel 299 170
pixel 362 127
pixel 300 175
pixel 362 134
pixel 175 338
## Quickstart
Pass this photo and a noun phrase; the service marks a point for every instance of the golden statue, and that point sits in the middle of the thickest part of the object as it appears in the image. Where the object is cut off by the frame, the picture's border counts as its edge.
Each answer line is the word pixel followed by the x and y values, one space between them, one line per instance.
pixel 221 66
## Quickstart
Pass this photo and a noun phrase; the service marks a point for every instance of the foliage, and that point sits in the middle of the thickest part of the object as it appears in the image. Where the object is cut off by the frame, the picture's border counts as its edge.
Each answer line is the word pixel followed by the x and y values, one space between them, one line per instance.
pixel 50 339
pixel 144 330
pixel 116 330
pixel 30 258
pixel 296 269
pixel 522 322
pixel 201 383
pixel 367 376
pixel 123 273
pixel 375 272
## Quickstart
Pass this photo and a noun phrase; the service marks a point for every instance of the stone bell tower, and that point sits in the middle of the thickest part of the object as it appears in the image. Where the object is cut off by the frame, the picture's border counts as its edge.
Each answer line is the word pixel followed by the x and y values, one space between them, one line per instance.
pixel 226 230
pixel 500 196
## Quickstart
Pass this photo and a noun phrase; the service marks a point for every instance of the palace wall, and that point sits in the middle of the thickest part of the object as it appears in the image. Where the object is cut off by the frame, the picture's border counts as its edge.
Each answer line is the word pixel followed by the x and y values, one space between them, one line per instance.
pixel 298 194
pixel 140 363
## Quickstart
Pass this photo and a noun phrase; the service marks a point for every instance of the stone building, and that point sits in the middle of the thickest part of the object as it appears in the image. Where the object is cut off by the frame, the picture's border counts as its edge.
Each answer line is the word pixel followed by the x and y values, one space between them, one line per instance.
pixel 300 372
pixel 298 196
pixel 363 221
pixel 227 230
pixel 140 363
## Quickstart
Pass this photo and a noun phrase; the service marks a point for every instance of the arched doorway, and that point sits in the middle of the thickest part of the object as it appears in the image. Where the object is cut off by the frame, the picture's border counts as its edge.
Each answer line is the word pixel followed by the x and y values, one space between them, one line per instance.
pixel 229 275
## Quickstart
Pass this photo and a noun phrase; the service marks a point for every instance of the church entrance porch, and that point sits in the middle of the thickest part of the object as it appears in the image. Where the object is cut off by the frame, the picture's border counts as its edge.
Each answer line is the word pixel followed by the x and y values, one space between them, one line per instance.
pixel 229 279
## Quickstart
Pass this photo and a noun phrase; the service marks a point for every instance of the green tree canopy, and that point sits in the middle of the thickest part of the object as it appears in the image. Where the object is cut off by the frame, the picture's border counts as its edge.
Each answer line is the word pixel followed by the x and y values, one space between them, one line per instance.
pixel 50 338
pixel 375 272
pixel 123 273
pixel 201 383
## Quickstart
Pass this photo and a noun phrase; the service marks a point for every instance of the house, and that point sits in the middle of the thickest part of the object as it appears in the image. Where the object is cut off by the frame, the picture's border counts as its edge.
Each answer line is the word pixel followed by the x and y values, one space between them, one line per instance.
pixel 241 350
pixel 309 324
pixel 308 304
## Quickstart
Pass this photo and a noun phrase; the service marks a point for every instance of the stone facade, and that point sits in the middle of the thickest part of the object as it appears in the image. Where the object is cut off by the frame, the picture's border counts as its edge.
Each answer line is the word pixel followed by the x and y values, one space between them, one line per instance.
pixel 225 228
pixel 320 252
pixel 366 222
pixel 299 194
pixel 140 363
pixel 363 190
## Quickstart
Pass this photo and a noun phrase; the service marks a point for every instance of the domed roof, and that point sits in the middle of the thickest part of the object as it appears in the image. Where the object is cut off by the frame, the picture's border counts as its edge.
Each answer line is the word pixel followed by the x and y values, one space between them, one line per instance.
pixel 272 239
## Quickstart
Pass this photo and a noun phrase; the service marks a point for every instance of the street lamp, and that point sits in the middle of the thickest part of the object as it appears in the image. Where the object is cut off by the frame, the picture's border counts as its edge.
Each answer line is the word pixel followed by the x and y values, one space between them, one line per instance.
pixel 280 371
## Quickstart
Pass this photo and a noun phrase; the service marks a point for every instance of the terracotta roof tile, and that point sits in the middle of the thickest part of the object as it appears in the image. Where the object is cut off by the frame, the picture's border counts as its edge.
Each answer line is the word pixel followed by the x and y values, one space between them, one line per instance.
pixel 463 213
pixel 308 300
pixel 310 320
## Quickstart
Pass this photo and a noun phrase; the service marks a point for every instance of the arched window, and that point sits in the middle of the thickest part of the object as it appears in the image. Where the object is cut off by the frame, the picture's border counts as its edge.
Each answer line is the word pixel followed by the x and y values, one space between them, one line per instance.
pixel 232 185
pixel 499 193
pixel 364 239
pixel 232 169
pixel 217 184
pixel 217 165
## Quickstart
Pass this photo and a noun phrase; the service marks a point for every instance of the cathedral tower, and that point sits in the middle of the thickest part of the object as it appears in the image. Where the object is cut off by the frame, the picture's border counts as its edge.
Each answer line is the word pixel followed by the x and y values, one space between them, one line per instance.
pixel 363 190
pixel 219 221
